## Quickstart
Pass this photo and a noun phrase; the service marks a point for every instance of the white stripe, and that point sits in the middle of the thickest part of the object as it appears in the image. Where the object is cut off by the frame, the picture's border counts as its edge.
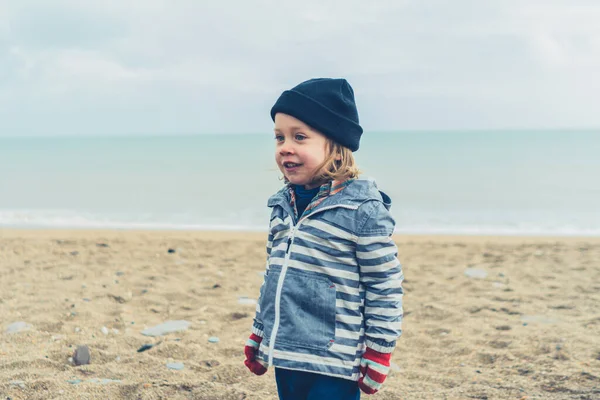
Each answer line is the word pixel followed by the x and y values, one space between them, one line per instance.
pixel 368 240
pixel 339 246
pixel 348 319
pixel 346 334
pixel 309 358
pixel 281 235
pixel 349 305
pixel 318 254
pixel 379 280
pixel 392 282
pixel 340 348
pixel 384 312
pixel 332 230
pixel 391 325
pixel 347 289
pixel 382 336
pixel 369 255
pixel 282 246
pixel 324 270
pixel 379 267
pixel 277 222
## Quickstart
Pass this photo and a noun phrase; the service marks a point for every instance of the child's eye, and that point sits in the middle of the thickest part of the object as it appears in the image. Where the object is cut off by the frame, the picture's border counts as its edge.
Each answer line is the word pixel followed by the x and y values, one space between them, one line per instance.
pixel 300 136
pixel 279 138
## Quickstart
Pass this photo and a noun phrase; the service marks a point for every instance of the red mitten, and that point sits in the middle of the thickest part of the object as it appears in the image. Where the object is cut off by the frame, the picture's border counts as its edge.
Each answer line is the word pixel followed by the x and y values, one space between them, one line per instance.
pixel 251 351
pixel 374 368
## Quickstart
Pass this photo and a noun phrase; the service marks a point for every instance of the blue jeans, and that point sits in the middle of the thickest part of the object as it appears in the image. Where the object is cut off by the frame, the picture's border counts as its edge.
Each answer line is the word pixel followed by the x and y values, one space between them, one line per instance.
pixel 300 385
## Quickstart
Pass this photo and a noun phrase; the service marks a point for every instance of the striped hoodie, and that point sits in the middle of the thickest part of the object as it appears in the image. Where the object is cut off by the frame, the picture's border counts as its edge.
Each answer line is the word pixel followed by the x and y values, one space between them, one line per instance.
pixel 333 283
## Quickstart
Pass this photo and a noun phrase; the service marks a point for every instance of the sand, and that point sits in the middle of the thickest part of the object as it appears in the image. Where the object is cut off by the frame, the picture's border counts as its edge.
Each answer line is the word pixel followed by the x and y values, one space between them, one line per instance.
pixel 529 329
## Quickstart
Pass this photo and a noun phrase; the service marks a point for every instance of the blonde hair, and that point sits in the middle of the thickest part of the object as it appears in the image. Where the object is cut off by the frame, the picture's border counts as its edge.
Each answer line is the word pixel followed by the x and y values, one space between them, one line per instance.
pixel 339 165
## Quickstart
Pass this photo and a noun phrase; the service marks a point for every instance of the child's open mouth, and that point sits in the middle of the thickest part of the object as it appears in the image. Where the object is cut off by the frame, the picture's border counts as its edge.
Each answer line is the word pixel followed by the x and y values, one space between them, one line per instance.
pixel 290 166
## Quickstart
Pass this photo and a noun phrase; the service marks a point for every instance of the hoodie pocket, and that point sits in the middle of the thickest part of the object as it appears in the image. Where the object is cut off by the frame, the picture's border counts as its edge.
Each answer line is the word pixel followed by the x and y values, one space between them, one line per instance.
pixel 307 311
pixel 267 303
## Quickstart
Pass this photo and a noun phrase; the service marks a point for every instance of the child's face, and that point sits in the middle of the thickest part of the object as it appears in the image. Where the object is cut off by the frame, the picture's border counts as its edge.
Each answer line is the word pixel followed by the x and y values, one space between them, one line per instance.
pixel 299 150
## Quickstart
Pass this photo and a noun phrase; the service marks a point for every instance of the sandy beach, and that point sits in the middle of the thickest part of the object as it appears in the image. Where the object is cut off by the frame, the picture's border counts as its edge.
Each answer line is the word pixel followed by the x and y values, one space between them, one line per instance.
pixel 485 317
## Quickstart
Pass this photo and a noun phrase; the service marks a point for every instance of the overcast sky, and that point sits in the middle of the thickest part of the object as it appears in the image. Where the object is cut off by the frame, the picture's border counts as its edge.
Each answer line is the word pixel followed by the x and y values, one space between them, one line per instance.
pixel 191 66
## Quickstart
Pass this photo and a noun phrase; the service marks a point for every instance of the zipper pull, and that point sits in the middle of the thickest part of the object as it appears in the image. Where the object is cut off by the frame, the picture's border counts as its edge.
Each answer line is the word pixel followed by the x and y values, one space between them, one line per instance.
pixel 289 244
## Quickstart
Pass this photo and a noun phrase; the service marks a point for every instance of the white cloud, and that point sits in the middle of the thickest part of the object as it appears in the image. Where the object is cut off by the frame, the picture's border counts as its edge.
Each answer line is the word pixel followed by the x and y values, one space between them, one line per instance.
pixel 155 66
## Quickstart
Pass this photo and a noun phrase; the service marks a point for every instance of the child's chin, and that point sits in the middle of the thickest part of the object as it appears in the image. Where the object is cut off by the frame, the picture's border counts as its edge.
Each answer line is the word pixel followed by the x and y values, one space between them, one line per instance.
pixel 299 182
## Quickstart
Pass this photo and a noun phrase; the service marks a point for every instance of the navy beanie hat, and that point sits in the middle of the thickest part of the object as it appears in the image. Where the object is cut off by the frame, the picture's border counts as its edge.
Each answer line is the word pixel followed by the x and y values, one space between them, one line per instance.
pixel 325 104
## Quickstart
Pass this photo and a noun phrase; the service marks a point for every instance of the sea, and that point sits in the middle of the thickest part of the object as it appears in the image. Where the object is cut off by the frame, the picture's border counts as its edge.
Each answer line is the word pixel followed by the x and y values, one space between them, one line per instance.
pixel 541 183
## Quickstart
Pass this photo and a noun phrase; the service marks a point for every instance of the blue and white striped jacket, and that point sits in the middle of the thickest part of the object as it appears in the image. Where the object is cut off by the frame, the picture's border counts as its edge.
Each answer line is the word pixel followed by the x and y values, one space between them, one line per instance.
pixel 333 283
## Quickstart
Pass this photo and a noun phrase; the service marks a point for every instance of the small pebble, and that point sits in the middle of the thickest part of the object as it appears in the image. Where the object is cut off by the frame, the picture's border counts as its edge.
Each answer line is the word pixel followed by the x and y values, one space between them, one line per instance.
pixel 77 329
pixel 213 339
pixel 17 327
pixel 86 299
pixel 166 328
pixel 171 251
pixel 176 366
pixel 145 347
pixel 115 331
pixel 119 273
pixel 81 355
pixel 475 273
pixel 103 381
pixel 246 301
pixel 104 330
pixel 20 384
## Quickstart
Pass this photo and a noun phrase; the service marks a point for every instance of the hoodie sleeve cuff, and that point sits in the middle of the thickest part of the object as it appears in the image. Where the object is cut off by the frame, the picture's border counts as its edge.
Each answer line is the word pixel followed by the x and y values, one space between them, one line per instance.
pixel 381 346
pixel 257 329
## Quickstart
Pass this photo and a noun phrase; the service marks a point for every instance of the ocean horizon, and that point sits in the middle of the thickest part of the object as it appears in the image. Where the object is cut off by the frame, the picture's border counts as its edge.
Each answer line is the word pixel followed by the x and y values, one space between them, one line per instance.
pixel 532 183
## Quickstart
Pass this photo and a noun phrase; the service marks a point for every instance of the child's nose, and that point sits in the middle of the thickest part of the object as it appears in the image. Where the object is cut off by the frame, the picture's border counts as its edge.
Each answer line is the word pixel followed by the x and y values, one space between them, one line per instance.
pixel 286 148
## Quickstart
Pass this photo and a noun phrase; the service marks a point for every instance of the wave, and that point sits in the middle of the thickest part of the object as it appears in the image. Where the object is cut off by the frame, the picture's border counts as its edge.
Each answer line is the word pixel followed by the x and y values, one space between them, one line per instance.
pixel 69 219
